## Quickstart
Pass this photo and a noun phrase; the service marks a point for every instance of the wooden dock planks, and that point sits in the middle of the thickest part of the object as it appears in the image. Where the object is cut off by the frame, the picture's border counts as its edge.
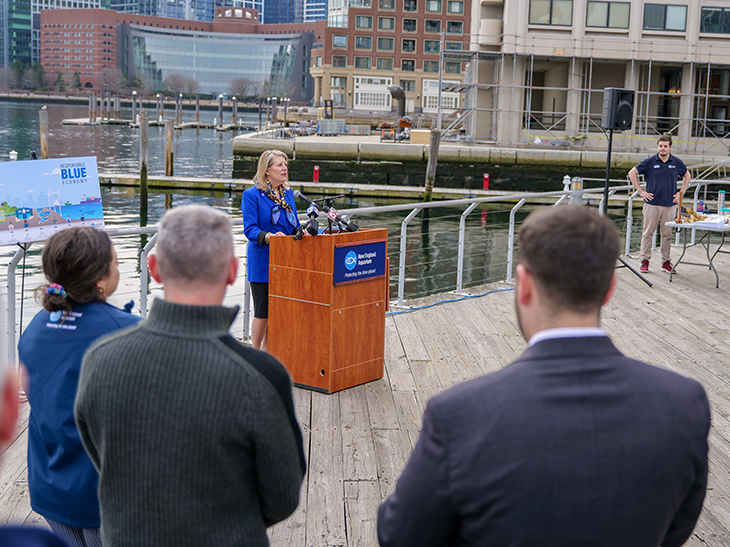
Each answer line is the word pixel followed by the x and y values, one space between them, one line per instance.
pixel 357 441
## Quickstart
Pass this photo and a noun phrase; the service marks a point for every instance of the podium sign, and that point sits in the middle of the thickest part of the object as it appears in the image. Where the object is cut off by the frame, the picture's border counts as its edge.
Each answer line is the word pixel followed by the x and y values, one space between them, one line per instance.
pixel 356 262
pixel 329 331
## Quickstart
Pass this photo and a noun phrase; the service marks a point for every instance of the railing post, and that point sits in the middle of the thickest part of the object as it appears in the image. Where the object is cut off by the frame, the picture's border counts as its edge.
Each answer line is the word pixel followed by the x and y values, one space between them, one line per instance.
pixel 630 222
pixel 402 258
pixel 11 301
pixel 144 280
pixel 511 240
pixel 462 243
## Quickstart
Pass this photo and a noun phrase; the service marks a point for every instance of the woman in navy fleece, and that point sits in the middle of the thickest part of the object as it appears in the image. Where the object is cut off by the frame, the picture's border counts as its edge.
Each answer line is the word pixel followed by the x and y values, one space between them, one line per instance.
pixel 81 267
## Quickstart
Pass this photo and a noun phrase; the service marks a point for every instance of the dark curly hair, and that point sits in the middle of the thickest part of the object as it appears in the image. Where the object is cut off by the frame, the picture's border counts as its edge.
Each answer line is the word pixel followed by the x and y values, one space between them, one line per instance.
pixel 76 258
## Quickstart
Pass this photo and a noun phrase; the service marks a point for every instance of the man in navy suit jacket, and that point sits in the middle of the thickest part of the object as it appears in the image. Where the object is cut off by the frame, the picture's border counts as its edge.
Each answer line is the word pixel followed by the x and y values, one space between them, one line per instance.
pixel 572 444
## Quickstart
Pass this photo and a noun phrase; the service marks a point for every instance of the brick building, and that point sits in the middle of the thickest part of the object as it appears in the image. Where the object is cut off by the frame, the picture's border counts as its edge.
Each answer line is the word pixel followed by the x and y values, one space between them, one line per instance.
pixel 391 42
pixel 233 45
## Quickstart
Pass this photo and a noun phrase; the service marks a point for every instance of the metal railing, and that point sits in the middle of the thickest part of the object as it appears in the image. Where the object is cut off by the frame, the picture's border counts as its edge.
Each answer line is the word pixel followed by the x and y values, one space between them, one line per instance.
pixel 470 204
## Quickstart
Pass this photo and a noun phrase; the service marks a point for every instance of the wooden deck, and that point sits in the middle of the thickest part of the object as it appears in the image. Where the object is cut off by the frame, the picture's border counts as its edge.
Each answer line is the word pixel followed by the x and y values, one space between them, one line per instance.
pixel 358 440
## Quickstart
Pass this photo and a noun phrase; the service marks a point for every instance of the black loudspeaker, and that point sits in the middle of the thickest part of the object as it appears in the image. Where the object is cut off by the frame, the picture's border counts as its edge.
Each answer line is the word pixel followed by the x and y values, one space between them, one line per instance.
pixel 618 108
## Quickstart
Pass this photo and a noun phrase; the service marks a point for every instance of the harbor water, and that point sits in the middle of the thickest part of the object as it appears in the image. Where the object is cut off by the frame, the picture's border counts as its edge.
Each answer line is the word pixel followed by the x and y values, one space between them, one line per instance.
pixel 432 247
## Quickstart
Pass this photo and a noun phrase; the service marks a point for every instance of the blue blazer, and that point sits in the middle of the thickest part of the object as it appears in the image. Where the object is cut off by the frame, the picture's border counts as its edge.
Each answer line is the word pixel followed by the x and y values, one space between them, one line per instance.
pixel 257 218
pixel 573 444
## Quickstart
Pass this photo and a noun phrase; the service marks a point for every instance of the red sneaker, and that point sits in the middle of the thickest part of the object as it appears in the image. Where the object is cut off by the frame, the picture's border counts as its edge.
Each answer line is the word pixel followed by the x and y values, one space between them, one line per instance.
pixel 667 267
pixel 644 266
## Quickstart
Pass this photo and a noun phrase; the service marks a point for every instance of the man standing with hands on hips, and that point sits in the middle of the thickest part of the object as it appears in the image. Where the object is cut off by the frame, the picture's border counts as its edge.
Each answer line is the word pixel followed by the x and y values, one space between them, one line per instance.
pixel 660 197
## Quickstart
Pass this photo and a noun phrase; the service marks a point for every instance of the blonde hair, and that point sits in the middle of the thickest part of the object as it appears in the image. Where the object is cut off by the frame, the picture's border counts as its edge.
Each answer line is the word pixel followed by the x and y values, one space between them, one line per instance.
pixel 265 161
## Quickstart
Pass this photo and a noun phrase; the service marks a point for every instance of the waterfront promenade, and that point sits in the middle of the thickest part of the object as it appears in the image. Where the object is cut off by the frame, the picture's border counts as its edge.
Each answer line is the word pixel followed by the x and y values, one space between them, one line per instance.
pixel 358 440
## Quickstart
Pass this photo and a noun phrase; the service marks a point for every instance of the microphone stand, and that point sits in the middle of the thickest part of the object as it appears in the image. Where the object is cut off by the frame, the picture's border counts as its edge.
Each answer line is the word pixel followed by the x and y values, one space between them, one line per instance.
pixel 605 204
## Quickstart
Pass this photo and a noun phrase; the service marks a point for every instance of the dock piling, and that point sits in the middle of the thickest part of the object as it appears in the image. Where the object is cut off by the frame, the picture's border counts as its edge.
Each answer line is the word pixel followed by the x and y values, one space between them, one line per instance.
pixel 43 117
pixel 433 152
pixel 169 148
pixel 134 107
pixel 235 111
pixel 220 111
pixel 197 109
pixel 91 108
pixel 144 154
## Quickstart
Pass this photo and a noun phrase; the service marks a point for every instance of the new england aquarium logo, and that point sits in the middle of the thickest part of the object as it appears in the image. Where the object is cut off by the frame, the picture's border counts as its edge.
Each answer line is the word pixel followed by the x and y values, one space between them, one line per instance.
pixel 351 260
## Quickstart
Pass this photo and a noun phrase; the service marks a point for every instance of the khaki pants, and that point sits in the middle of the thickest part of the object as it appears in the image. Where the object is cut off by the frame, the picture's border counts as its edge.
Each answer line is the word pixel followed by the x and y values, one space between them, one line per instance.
pixel 657 215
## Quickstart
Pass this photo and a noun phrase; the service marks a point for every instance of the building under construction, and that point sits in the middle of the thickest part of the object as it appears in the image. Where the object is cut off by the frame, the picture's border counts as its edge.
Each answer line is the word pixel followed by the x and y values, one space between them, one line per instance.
pixel 538 68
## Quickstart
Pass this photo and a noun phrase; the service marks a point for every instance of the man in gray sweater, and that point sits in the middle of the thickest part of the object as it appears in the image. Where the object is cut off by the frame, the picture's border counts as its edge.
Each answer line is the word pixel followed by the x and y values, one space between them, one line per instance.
pixel 194 435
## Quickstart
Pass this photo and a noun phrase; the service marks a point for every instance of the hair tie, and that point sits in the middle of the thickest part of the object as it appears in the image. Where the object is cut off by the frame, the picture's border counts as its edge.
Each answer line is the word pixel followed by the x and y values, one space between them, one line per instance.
pixel 55 288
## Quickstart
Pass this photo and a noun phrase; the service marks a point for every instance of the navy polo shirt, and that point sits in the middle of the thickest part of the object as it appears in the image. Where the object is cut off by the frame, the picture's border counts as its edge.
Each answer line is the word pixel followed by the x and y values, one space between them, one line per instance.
pixel 661 178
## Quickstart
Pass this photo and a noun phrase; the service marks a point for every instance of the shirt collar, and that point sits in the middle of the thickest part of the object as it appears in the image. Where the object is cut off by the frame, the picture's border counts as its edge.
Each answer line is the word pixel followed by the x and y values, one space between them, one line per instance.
pixel 566 332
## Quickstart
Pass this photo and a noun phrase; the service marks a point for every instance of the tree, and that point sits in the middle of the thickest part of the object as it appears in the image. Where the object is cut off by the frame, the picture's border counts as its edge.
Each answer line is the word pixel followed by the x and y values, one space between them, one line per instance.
pixel 76 80
pixel 17 75
pixel 37 76
pixel 113 80
pixel 60 83
pixel 174 83
pixel 242 87
pixel 191 86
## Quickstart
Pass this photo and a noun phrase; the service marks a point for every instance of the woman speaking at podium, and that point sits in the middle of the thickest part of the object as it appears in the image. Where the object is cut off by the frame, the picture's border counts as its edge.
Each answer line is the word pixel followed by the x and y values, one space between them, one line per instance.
pixel 269 210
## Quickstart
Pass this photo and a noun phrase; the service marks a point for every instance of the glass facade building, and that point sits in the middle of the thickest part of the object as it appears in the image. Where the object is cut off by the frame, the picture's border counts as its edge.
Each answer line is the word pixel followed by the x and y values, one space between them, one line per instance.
pixel 277 63
pixel 15 33
pixel 197 10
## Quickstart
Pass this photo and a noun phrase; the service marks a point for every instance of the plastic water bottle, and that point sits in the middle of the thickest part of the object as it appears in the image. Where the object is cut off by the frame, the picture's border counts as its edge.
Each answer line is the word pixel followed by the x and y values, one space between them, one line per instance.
pixel 700 207
pixel 720 202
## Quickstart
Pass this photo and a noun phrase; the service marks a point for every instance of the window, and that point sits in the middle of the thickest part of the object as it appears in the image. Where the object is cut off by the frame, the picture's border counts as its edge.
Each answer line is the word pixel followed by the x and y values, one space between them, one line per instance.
pixel 715 20
pixel 455 46
pixel 430 66
pixel 454 27
pixel 385 43
pixel 410 5
pixel 363 42
pixel 662 17
pixel 385 64
pixel 409 25
pixel 363 21
pixel 608 14
pixel 318 60
pixel 433 5
pixel 455 6
pixel 408 85
pixel 551 12
pixel 387 4
pixel 339 40
pixel 431 46
pixel 386 23
pixel 432 26
pixel 339 61
pixel 363 62
pixel 409 46
pixel 408 65
pixel 452 67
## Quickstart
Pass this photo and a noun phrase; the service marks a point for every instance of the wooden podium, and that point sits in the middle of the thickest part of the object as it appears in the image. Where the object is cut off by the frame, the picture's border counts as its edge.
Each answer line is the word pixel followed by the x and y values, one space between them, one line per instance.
pixel 329 333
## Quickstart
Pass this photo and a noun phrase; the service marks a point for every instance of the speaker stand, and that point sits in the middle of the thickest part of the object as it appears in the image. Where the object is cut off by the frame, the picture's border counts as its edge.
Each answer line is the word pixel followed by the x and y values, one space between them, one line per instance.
pixel 604 210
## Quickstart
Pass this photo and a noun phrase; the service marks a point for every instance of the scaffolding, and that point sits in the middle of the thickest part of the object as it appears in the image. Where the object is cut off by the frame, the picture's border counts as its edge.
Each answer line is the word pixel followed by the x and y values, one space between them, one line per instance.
pixel 526 92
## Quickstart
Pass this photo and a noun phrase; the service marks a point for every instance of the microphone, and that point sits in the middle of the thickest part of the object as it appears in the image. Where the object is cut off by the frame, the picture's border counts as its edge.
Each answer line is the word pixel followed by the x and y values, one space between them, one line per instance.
pixel 332 213
pixel 312 226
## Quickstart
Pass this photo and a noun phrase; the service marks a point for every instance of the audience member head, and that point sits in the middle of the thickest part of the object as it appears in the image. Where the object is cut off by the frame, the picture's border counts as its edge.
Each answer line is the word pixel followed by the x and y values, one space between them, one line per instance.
pixel 665 138
pixel 567 256
pixel 80 265
pixel 194 251
pixel 266 160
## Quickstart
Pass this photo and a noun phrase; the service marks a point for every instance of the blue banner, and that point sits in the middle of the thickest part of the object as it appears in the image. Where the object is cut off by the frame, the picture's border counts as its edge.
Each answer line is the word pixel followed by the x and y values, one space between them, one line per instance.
pixel 359 261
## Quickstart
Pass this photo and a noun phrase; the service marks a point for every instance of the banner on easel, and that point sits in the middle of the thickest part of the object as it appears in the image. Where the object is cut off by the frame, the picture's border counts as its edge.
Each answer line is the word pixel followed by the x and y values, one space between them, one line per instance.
pixel 41 197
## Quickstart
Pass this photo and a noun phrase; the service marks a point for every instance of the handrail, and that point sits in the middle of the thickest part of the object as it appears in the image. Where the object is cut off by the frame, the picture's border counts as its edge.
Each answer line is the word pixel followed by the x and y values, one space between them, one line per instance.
pixel 414 208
